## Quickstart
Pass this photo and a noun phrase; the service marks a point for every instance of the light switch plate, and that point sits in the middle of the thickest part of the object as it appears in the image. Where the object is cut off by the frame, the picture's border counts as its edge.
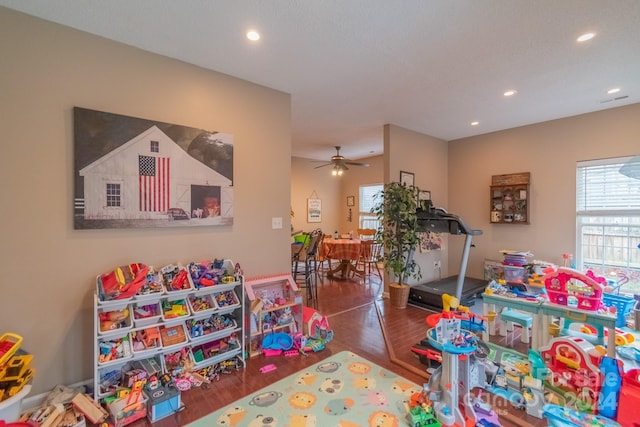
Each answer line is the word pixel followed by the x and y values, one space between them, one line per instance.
pixel 276 223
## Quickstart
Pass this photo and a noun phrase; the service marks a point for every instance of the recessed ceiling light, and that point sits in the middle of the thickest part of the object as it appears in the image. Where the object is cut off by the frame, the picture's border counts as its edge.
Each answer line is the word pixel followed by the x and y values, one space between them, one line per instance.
pixel 475 123
pixel 614 90
pixel 510 92
pixel 586 36
pixel 253 35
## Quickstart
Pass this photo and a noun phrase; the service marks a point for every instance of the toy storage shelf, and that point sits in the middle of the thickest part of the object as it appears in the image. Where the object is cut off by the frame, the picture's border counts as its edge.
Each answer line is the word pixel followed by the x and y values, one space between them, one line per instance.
pixel 272 298
pixel 225 306
pixel 510 198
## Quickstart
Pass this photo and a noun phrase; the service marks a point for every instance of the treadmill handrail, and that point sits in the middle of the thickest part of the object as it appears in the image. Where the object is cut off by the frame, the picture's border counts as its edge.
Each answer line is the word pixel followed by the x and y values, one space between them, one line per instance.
pixel 439 214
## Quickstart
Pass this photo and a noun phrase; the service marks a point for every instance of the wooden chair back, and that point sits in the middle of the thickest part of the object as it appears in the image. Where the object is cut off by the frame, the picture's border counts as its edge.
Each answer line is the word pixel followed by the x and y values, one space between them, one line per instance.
pixel 366 233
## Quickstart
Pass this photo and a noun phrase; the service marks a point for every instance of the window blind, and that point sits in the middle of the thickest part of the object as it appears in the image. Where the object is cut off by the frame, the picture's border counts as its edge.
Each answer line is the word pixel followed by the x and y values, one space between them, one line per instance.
pixel 601 187
pixel 367 201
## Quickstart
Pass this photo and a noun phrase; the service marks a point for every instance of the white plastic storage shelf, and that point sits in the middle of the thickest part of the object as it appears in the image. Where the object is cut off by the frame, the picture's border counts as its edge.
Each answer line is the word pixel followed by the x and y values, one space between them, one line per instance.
pixel 212 320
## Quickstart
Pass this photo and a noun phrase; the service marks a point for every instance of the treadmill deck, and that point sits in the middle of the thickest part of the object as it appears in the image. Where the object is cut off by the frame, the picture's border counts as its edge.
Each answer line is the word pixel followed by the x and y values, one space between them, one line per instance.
pixel 429 295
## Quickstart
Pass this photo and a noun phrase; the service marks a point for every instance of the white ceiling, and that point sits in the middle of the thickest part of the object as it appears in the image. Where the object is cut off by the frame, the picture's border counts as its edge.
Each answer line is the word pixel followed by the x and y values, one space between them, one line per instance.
pixel 432 66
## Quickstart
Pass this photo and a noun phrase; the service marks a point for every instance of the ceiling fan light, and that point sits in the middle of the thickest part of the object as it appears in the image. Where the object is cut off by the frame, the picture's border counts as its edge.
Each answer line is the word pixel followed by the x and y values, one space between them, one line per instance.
pixel 340 171
pixel 334 172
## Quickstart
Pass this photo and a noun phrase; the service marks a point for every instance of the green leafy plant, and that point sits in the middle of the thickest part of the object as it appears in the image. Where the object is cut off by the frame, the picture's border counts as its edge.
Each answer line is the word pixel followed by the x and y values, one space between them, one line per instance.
pixel 395 206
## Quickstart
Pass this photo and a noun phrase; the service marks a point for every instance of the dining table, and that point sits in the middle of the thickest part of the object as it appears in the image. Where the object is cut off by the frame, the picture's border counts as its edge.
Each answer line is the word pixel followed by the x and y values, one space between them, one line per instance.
pixel 346 251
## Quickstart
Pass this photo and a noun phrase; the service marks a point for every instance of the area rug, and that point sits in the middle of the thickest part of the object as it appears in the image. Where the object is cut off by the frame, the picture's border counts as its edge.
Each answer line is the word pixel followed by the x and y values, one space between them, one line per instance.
pixel 344 390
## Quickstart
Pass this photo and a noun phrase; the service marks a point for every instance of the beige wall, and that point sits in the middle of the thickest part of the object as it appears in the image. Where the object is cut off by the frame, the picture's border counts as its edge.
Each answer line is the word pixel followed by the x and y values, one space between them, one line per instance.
pixel 353 179
pixel 426 157
pixel 308 182
pixel 49 268
pixel 549 151
pixel 332 190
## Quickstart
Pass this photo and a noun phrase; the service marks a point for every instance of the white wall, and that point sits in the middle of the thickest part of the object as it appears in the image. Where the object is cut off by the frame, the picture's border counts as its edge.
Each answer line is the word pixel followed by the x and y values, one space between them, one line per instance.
pixel 49 268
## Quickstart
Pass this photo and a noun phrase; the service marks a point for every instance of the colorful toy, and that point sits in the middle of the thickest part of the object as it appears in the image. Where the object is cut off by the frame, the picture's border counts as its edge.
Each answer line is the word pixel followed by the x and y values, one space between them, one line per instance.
pixel 574 364
pixel 268 368
pixel 629 398
pixel 611 383
pixel 559 416
pixel 123 282
pixel 9 344
pixel 468 321
pixel 116 319
pixel 566 286
pixel 457 373
pixel 622 337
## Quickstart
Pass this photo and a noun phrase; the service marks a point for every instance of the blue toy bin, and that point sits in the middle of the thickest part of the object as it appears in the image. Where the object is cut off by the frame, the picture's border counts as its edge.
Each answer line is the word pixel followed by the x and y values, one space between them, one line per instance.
pixel 559 416
pixel 624 306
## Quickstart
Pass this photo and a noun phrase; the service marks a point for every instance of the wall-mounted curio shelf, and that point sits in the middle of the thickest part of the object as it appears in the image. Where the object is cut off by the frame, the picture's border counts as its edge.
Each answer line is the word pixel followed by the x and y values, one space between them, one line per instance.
pixel 510 198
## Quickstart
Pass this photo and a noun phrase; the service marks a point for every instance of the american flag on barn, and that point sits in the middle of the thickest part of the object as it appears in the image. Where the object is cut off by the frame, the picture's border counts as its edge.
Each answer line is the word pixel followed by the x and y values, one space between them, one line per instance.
pixel 153 183
pixel 150 177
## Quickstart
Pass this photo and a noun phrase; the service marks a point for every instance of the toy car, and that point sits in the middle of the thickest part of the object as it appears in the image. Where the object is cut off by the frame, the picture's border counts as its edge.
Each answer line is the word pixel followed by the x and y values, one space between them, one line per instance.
pixel 177 213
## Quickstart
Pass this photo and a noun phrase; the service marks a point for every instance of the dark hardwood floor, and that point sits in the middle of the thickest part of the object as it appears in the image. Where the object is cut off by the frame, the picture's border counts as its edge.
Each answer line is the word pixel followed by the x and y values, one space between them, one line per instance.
pixel 363 322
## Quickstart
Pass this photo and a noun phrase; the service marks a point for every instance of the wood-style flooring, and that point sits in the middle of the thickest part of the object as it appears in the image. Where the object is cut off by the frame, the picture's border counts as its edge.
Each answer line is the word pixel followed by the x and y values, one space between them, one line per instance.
pixel 364 323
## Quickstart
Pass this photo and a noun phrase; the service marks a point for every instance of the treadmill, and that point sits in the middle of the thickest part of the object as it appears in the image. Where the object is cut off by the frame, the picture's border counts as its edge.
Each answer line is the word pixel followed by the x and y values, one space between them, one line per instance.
pixel 466 289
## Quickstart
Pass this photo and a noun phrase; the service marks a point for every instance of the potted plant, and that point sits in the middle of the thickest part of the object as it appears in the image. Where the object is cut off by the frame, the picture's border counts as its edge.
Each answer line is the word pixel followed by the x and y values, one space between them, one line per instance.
pixel 395 206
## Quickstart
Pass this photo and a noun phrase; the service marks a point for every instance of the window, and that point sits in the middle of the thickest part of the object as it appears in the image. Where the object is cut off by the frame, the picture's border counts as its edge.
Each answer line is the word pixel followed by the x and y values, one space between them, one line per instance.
pixel 113 195
pixel 366 203
pixel 608 221
pixel 155 147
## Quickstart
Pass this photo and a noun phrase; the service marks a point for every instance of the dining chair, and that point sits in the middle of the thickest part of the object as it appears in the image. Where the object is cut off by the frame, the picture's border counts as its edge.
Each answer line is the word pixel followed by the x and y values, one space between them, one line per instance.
pixel 305 264
pixel 369 256
pixel 366 233
pixel 322 257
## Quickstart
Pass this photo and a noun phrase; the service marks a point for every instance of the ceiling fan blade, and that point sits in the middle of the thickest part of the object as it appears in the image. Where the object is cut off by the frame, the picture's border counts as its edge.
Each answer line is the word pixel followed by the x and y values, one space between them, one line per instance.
pixel 356 163
pixel 321 166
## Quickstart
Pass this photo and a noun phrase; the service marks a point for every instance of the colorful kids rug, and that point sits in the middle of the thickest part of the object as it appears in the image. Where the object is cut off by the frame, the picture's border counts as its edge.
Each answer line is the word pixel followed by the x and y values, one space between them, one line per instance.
pixel 343 390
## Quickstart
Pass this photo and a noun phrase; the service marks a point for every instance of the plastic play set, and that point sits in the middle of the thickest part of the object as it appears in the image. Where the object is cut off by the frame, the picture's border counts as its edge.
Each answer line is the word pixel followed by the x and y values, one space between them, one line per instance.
pixel 572 375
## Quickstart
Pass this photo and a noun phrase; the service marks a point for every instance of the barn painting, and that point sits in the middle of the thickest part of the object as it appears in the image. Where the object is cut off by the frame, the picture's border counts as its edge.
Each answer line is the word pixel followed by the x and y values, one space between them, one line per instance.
pixel 132 172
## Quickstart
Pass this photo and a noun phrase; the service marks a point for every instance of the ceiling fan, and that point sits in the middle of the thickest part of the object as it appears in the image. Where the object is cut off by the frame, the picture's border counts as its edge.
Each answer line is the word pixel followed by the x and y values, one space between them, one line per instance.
pixel 340 163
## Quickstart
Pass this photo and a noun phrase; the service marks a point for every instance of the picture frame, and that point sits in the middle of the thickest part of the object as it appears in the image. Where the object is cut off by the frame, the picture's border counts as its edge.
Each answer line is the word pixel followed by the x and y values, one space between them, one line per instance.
pixel 314 210
pixel 407 178
pixel 424 195
pixel 351 201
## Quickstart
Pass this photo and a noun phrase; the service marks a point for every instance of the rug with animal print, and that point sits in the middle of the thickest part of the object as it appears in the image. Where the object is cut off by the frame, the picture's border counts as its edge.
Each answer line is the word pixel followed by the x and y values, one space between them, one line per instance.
pixel 344 390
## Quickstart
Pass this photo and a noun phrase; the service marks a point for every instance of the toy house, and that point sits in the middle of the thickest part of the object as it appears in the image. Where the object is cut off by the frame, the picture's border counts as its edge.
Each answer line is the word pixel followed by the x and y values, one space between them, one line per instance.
pixel 566 286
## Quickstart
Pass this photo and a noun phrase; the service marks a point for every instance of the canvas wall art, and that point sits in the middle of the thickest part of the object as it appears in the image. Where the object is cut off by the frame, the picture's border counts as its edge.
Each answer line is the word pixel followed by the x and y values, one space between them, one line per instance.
pixel 131 172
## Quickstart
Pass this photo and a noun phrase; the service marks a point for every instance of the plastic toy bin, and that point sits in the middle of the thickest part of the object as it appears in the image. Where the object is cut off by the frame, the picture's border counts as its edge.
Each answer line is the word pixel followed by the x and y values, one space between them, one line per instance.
pixel 11 408
pixel 513 274
pixel 624 306
pixel 125 410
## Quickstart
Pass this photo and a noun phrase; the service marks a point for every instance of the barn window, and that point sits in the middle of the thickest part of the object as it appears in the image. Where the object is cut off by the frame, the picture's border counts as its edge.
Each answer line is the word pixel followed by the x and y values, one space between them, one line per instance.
pixel 155 146
pixel 113 195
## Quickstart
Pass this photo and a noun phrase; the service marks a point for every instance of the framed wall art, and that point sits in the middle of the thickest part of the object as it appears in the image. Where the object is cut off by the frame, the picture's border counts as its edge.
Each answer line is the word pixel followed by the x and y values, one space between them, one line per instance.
pixel 407 178
pixel 351 201
pixel 314 210
pixel 132 173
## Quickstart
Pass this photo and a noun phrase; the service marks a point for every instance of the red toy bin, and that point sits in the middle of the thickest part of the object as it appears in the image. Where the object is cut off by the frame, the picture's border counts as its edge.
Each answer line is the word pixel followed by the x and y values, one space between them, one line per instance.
pixel 629 398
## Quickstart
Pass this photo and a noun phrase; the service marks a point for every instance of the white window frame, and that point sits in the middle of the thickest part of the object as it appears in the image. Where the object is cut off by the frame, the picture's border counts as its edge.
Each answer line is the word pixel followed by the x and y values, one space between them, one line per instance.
pixel 608 220
pixel 365 202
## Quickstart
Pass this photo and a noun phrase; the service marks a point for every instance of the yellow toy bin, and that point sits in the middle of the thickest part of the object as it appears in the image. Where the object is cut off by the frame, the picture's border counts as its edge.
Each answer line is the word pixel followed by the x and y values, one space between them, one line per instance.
pixel 9 344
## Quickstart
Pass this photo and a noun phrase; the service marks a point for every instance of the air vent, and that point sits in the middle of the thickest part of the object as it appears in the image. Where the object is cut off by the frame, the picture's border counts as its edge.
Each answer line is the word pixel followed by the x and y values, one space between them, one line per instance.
pixel 617 98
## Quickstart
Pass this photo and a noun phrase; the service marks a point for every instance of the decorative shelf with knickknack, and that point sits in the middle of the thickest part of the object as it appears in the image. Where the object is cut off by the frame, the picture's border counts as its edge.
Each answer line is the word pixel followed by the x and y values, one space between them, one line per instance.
pixel 510 198
pixel 162 326
pixel 276 306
